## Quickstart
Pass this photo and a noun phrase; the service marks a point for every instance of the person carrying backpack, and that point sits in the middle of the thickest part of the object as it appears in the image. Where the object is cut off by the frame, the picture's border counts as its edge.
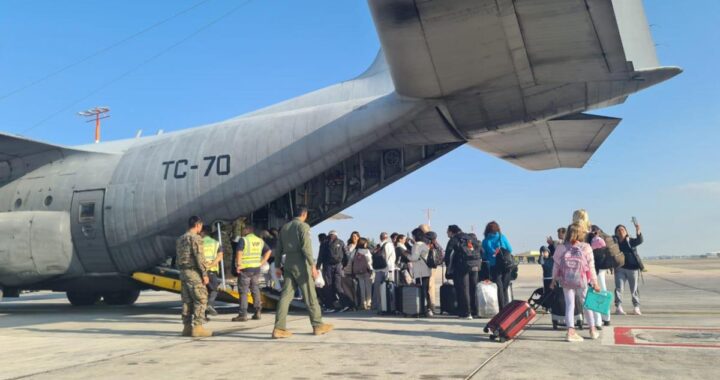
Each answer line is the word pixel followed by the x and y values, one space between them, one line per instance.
pixel 333 255
pixel 463 261
pixel 361 269
pixel 420 270
pixel 573 269
pixel 383 263
pixel 493 245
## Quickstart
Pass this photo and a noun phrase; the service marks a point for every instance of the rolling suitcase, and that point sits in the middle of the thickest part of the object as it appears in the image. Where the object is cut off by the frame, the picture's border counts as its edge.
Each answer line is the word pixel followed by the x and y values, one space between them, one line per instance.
pixel 510 321
pixel 448 298
pixel 388 294
pixel 412 300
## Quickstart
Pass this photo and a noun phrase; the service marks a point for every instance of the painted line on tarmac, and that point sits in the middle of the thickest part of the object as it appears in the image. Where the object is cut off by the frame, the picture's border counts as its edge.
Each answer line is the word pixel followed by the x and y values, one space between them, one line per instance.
pixel 626 336
pixel 501 350
pixel 684 285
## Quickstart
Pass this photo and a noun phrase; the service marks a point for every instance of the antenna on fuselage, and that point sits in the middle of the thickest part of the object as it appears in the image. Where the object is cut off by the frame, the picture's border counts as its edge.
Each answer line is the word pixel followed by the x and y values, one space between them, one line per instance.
pixel 95 114
pixel 138 134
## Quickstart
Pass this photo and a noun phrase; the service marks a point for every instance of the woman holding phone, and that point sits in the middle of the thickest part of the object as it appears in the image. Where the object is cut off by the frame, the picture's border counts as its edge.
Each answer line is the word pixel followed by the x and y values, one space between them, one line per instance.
pixel 630 272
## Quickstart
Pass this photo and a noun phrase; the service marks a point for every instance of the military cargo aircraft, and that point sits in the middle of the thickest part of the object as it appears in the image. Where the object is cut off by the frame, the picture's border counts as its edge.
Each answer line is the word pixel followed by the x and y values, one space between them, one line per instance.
pixel 513 78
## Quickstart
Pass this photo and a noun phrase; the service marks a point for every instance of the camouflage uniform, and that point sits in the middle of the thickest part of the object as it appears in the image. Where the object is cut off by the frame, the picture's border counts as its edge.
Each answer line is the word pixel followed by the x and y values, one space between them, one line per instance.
pixel 295 243
pixel 191 262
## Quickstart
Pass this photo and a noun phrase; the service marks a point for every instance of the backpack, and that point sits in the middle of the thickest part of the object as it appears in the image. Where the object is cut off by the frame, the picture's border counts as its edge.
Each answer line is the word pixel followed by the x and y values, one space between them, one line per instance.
pixel 469 248
pixel 337 252
pixel 359 264
pixel 378 258
pixel 505 260
pixel 435 256
pixel 609 257
pixel 574 268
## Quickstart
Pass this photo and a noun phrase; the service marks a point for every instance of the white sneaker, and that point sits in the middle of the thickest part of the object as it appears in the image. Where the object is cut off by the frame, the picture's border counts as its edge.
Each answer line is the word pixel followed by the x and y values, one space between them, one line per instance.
pixel 637 310
pixel 619 310
pixel 594 334
pixel 574 338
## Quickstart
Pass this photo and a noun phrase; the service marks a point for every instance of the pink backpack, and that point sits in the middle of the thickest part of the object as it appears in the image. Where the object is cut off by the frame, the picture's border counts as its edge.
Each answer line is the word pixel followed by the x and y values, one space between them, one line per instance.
pixel 574 268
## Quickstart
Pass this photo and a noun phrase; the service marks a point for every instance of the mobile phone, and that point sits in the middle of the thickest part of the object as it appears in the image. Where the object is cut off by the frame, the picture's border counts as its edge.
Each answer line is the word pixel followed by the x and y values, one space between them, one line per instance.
pixel 634 221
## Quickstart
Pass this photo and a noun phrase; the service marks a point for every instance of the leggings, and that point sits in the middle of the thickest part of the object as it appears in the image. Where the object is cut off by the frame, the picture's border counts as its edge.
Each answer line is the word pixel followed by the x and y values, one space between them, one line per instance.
pixel 570 307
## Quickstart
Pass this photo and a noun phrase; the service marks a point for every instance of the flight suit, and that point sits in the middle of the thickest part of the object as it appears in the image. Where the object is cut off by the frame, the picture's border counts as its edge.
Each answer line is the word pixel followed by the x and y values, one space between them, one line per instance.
pixel 191 263
pixel 295 243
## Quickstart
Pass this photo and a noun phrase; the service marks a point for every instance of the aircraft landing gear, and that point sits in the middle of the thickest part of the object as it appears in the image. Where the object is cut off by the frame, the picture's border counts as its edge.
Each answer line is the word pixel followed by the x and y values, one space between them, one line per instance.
pixel 82 298
pixel 125 297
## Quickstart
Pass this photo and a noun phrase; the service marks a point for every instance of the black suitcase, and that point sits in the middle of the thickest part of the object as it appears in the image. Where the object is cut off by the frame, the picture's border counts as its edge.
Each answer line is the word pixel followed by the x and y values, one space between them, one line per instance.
pixel 412 300
pixel 448 298
pixel 557 309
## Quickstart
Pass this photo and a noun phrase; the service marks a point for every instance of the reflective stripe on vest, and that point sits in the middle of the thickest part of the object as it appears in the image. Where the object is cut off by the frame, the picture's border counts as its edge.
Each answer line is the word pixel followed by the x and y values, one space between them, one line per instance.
pixel 252 253
pixel 210 248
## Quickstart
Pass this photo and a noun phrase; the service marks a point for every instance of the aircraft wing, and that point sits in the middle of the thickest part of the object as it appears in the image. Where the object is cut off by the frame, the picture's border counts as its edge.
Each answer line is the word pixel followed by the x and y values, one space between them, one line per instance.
pixel 440 48
pixel 19 155
pixel 566 142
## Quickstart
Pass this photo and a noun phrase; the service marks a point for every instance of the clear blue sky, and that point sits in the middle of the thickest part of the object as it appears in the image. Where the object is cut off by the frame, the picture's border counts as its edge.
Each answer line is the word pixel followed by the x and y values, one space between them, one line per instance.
pixel 662 164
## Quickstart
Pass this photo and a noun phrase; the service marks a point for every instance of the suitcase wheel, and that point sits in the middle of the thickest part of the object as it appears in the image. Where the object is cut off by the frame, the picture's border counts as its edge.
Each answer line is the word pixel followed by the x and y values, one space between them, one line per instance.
pixel 555 325
pixel 486 330
pixel 493 337
pixel 579 325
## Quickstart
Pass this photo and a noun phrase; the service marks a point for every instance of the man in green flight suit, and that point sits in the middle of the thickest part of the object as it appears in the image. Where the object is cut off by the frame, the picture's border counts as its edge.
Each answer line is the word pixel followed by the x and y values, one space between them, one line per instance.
pixel 299 271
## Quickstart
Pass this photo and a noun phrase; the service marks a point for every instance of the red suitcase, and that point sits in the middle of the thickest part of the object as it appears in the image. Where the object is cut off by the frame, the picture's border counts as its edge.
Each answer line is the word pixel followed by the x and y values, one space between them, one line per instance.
pixel 510 321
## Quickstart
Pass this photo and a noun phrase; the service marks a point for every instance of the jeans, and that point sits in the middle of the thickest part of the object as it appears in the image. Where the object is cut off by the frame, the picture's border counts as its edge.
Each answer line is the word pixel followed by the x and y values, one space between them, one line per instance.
pixel 213 286
pixel 465 289
pixel 502 279
pixel 247 282
pixel 570 306
pixel 602 273
pixel 365 285
pixel 631 276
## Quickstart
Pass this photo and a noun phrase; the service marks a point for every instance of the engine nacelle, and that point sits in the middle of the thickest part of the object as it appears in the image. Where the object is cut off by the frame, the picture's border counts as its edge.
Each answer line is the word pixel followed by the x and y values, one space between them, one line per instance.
pixel 37 245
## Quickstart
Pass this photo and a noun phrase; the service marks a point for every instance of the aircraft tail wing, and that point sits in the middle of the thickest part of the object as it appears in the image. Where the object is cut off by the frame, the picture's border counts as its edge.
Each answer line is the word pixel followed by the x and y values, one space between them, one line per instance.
pixel 566 142
pixel 442 47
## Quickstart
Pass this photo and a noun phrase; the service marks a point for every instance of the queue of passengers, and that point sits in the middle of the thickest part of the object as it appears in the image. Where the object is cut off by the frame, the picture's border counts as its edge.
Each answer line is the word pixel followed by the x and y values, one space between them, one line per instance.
pixel 354 272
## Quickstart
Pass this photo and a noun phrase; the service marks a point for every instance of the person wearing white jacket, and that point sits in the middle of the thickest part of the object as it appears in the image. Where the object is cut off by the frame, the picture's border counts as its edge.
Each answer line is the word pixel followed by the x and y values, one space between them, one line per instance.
pixel 420 271
pixel 383 263
pixel 361 265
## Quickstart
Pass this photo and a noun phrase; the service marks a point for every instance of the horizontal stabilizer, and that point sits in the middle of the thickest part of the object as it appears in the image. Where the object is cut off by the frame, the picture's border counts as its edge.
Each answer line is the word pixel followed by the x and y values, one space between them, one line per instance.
pixel 12 147
pixel 566 142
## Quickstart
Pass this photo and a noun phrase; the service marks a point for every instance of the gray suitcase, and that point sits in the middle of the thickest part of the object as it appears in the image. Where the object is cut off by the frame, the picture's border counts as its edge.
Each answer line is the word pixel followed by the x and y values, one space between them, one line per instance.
pixel 412 300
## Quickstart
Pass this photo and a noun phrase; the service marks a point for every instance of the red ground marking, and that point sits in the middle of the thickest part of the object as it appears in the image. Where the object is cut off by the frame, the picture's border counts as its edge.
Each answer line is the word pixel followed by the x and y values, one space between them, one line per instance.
pixel 624 336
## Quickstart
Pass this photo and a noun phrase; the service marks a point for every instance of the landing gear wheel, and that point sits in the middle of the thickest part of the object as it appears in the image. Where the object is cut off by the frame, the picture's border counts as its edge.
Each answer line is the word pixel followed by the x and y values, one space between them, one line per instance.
pixel 126 297
pixel 82 298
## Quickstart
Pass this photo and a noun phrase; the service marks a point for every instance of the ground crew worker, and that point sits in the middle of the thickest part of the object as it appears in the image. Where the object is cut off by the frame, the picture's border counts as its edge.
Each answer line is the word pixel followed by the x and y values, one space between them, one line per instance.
pixel 194 279
pixel 299 271
pixel 252 253
pixel 212 251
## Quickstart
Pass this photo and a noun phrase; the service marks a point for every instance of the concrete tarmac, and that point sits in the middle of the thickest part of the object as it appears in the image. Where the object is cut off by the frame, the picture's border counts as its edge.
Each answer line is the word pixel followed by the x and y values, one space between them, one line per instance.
pixel 677 337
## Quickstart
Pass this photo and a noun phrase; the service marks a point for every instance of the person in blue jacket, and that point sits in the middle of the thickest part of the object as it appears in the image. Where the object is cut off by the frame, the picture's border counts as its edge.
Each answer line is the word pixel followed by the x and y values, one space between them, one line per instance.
pixel 494 240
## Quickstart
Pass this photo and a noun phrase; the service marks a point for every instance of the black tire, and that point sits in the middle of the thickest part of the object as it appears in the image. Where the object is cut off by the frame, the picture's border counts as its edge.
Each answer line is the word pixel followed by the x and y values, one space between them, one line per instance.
pixel 123 298
pixel 82 298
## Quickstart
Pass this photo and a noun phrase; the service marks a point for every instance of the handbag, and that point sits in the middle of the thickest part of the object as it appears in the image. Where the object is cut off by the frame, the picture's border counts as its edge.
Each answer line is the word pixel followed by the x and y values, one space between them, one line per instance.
pixel 504 258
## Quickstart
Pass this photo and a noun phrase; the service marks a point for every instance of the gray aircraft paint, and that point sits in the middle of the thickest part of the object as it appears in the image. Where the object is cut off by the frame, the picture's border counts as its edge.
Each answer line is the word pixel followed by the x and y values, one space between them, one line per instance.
pixel 511 78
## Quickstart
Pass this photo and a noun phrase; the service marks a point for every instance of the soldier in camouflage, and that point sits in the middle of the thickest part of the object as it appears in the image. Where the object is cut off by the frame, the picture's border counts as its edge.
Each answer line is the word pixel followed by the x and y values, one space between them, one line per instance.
pixel 300 272
pixel 194 278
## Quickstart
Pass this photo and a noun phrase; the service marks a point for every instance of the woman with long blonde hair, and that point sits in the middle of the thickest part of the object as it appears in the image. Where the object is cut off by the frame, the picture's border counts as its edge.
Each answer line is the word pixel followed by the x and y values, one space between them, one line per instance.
pixel 574 268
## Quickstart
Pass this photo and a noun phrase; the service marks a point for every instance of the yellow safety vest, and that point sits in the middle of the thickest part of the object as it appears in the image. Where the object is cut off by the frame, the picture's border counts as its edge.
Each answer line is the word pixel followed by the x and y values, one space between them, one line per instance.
pixel 252 253
pixel 210 248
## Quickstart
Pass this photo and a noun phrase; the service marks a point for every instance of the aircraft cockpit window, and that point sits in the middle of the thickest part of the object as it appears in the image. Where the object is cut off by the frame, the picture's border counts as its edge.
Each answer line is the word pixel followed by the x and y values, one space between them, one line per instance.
pixel 87 212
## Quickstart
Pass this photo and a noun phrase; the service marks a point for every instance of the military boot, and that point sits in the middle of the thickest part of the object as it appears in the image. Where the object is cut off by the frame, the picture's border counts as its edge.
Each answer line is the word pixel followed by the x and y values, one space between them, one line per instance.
pixel 280 333
pixel 322 329
pixel 187 330
pixel 200 332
